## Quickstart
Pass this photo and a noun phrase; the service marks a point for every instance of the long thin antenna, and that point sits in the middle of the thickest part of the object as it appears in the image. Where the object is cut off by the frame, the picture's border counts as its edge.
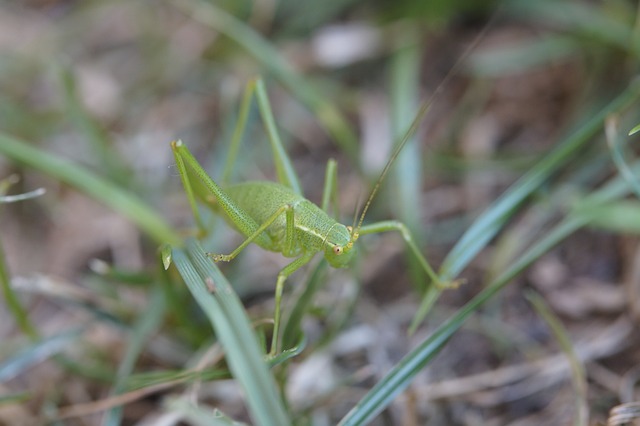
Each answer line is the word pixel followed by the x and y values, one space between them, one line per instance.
pixel 418 119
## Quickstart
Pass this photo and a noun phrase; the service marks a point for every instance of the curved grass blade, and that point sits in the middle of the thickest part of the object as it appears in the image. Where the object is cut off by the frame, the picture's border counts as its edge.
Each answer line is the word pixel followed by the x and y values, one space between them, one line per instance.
pixel 487 225
pixel 38 352
pixel 13 301
pixel 578 375
pixel 94 186
pixel 491 221
pixel 215 296
pixel 22 197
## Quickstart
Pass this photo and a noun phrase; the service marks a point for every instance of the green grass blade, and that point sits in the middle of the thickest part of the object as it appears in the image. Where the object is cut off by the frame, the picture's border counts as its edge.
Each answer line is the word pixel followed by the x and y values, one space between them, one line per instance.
pixel 38 352
pixel 578 375
pixel 491 221
pixel 147 324
pixel 245 359
pixel 405 82
pixel 94 186
pixel 13 302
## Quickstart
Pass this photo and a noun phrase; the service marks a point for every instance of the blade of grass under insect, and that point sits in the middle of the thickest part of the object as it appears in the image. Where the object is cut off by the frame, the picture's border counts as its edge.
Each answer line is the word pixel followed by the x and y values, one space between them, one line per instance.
pixel 577 369
pixel 38 352
pixel 272 59
pixel 245 359
pixel 147 323
pixel 399 378
pixel 96 187
pixel 13 302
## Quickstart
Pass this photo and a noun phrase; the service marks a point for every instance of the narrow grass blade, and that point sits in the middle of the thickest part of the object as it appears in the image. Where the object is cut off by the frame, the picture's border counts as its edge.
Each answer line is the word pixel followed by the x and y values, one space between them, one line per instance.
pixel 13 302
pixel 405 81
pixel 488 224
pixel 147 324
pixel 38 352
pixel 94 186
pixel 578 375
pixel 215 296
pixel 491 221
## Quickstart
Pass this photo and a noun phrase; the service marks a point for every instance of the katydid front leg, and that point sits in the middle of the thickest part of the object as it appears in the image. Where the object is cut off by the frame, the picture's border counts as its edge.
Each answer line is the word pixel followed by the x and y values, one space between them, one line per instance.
pixel 394 225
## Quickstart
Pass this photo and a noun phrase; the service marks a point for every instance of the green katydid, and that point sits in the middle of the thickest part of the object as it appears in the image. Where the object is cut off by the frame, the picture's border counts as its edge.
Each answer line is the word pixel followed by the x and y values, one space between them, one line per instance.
pixel 278 218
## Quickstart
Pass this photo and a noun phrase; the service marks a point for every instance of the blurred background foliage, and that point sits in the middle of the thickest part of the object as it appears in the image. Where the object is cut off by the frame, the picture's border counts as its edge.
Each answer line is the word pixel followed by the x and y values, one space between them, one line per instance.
pixel 92 92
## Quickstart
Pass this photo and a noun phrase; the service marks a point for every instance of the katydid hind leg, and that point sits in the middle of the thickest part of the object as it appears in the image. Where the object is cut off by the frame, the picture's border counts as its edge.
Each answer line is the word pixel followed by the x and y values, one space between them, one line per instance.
pixel 330 189
pixel 284 169
pixel 238 132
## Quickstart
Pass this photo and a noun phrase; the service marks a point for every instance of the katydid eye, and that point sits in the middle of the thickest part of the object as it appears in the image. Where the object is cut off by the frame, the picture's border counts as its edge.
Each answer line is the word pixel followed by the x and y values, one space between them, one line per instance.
pixel 337 250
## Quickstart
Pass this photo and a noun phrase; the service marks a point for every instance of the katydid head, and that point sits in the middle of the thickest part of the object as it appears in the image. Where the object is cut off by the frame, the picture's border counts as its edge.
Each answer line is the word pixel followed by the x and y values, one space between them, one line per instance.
pixel 338 246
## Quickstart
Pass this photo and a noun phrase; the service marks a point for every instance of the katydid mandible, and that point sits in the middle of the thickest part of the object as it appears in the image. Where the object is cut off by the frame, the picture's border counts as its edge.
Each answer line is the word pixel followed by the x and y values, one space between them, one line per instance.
pixel 277 217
